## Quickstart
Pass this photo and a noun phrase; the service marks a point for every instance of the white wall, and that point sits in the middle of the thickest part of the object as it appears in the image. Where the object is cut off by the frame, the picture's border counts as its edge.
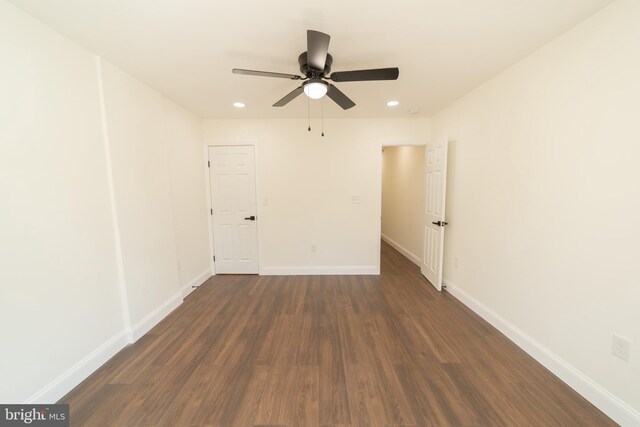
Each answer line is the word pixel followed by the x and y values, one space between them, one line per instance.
pixel 157 163
pixel 139 156
pixel 188 194
pixel 403 199
pixel 544 201
pixel 309 182
pixel 59 295
pixel 75 278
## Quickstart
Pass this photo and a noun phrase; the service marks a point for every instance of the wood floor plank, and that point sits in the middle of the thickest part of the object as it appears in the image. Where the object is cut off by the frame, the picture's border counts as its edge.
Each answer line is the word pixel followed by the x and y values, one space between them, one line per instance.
pixel 384 350
pixel 428 402
pixel 334 398
pixel 186 404
pixel 277 403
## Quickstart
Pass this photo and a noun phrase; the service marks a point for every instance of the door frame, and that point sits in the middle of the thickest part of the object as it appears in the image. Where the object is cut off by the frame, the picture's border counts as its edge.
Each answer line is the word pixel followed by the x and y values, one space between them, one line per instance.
pixel 381 145
pixel 256 149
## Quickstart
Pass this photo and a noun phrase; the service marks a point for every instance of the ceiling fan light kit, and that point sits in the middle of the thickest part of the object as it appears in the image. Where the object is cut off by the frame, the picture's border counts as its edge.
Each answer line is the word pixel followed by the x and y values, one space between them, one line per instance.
pixel 315 88
pixel 315 65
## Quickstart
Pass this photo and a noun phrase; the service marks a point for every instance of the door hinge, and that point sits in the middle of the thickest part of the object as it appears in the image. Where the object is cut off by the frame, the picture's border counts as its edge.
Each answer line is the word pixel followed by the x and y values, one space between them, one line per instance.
pixel 211 210
pixel 214 257
pixel 208 163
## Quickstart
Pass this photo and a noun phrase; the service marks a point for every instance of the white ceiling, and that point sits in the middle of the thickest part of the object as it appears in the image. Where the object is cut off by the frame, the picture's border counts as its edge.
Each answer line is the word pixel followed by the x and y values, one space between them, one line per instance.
pixel 187 48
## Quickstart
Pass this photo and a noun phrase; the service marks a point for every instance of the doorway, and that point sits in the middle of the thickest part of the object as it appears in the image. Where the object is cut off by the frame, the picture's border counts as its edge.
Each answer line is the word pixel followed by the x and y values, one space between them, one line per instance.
pixel 403 199
pixel 413 204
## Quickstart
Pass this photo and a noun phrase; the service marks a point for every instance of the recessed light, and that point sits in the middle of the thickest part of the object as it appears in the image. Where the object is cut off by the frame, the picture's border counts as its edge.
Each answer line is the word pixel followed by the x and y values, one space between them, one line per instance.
pixel 393 103
pixel 239 104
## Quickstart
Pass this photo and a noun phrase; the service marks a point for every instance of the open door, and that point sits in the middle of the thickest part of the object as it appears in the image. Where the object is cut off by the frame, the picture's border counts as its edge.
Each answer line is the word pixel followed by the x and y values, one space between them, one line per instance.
pixel 434 222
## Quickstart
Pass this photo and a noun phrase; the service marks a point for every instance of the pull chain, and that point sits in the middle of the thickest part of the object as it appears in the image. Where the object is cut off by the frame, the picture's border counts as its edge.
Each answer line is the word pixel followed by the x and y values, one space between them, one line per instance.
pixel 309 113
pixel 322 113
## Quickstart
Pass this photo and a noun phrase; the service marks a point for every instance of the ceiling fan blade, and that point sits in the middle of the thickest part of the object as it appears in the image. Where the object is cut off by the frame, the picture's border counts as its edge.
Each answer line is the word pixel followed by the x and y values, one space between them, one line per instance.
pixel 317 49
pixel 289 97
pixel 365 75
pixel 265 74
pixel 340 98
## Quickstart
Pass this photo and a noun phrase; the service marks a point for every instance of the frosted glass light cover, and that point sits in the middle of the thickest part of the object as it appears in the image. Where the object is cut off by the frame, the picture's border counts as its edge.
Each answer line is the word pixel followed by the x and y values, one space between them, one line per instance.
pixel 315 90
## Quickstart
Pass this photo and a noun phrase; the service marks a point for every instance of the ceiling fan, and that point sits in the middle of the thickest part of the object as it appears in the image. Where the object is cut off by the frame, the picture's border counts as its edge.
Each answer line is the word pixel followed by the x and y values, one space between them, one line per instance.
pixel 315 64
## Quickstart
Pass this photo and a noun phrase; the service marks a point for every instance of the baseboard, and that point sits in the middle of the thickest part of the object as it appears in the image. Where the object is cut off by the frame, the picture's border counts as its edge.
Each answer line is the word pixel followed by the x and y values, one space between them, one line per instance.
pixel 404 251
pixel 62 385
pixel 320 271
pixel 197 281
pixel 152 319
pixel 611 405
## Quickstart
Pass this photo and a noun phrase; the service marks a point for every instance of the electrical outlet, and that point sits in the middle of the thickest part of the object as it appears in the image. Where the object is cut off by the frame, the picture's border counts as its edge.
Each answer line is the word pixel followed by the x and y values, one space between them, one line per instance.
pixel 456 262
pixel 265 201
pixel 313 249
pixel 621 348
pixel 355 200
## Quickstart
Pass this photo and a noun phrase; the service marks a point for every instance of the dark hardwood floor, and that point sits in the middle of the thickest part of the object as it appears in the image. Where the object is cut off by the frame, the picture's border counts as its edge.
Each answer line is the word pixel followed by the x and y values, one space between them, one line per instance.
pixel 326 350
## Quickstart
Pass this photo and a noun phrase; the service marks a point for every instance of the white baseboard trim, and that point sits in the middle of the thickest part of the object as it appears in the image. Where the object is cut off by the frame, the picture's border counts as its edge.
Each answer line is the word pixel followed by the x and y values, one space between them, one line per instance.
pixel 320 271
pixel 404 251
pixel 152 319
pixel 197 281
pixel 62 385
pixel 604 400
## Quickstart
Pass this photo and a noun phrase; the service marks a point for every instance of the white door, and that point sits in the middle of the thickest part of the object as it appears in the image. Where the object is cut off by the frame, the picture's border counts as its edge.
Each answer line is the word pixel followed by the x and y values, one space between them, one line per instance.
pixel 233 209
pixel 434 224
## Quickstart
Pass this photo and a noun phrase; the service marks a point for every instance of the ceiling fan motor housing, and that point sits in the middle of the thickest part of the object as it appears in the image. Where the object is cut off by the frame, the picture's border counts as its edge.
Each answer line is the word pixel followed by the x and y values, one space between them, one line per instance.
pixel 309 72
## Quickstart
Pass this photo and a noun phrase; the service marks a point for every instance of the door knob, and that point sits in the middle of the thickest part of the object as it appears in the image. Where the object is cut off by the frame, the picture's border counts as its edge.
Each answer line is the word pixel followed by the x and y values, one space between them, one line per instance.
pixel 440 223
pixel 251 218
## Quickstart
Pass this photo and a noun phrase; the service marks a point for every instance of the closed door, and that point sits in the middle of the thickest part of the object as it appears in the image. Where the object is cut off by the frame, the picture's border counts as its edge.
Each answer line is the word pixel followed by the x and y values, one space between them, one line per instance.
pixel 434 221
pixel 233 209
